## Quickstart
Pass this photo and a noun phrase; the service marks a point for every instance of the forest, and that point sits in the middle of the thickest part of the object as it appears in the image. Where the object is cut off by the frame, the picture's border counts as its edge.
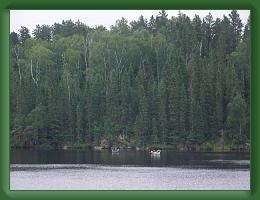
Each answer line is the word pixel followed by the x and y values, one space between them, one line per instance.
pixel 163 81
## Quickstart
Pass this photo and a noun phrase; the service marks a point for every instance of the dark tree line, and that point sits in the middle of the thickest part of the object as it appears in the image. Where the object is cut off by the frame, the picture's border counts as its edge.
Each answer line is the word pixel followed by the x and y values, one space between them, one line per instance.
pixel 160 81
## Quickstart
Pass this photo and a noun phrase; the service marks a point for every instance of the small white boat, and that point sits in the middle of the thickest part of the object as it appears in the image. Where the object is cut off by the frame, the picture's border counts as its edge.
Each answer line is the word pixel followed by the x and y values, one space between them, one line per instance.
pixel 155 152
pixel 115 150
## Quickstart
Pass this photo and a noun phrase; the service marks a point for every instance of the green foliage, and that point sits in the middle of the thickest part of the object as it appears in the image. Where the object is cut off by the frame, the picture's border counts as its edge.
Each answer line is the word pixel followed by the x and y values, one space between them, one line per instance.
pixel 24 34
pixel 159 83
pixel 237 118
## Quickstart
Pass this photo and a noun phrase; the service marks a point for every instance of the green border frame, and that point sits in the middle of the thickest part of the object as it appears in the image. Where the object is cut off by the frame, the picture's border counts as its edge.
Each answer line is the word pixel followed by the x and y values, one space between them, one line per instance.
pixel 7 5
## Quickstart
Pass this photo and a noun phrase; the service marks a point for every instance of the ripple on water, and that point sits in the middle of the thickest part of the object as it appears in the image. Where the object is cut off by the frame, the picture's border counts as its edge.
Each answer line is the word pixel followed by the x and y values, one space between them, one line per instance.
pixel 105 177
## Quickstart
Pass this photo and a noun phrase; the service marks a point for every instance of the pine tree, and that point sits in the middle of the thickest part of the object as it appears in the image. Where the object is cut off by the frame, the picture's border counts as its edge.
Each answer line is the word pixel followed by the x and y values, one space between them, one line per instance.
pixel 24 34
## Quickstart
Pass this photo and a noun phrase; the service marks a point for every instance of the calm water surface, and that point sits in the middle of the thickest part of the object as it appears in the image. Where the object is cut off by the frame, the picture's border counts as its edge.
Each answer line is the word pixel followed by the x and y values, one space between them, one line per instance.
pixel 99 170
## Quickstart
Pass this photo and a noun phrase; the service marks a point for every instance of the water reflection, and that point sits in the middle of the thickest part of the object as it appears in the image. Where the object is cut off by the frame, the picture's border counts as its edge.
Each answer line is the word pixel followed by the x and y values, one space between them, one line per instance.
pixel 115 154
pixel 131 157
pixel 155 157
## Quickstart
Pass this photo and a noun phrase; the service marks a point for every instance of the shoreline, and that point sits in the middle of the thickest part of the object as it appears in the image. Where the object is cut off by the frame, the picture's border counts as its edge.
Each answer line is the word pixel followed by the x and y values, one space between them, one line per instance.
pixel 131 149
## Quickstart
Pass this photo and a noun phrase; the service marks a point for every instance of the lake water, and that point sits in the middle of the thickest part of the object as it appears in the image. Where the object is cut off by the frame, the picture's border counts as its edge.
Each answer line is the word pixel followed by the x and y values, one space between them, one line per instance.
pixel 128 170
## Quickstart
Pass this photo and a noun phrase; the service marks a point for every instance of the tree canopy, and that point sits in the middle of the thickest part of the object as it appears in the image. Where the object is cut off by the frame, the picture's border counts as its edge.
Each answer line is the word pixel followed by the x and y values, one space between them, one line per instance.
pixel 158 81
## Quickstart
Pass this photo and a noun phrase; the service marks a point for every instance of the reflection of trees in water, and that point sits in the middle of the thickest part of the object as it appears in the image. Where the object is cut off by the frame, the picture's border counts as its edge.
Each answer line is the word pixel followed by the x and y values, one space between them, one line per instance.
pixel 132 157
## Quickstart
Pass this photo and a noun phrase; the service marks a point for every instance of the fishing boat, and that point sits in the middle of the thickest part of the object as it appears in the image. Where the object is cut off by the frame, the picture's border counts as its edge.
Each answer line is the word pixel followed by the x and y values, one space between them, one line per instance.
pixel 115 150
pixel 155 152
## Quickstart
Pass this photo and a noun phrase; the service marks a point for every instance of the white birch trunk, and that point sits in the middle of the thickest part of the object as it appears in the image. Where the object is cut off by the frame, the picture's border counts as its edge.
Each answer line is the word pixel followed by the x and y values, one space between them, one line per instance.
pixel 34 80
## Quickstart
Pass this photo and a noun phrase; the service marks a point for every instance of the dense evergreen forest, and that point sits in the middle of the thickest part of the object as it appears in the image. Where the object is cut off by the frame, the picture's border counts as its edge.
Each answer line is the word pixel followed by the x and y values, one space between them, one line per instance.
pixel 151 82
